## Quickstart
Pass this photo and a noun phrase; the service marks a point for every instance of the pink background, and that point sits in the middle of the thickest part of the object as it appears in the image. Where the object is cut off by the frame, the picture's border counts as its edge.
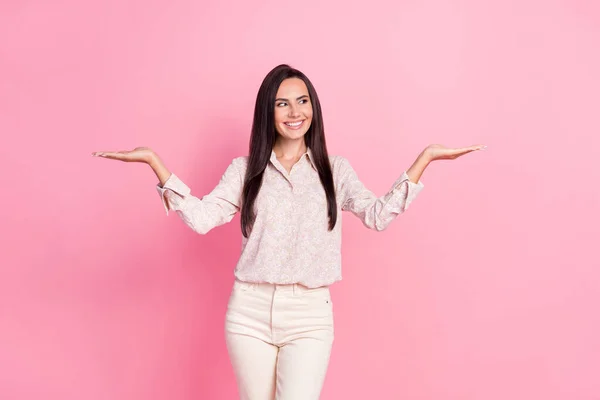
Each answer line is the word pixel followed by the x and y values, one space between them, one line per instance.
pixel 487 289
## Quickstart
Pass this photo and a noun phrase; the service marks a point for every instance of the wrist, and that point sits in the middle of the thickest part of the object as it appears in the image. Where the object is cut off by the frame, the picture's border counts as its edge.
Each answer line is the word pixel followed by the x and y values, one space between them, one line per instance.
pixel 425 157
pixel 152 159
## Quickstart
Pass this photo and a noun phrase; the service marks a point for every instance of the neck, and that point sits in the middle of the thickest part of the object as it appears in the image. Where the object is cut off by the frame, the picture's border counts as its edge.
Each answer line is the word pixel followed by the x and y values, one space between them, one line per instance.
pixel 289 149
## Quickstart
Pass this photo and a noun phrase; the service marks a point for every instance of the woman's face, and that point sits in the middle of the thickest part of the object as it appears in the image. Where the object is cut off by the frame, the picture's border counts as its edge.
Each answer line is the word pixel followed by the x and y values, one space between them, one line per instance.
pixel 293 109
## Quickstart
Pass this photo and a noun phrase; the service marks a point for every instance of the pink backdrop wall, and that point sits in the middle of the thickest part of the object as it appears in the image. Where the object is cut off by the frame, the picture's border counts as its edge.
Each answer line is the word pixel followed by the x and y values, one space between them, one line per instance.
pixel 488 288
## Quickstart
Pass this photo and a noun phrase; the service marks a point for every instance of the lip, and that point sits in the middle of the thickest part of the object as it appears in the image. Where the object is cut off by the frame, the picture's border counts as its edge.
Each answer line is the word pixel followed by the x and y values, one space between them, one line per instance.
pixel 294 127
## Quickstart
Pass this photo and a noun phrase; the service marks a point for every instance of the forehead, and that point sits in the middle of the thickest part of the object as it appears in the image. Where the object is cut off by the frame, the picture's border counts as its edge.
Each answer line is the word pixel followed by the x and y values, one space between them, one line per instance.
pixel 292 87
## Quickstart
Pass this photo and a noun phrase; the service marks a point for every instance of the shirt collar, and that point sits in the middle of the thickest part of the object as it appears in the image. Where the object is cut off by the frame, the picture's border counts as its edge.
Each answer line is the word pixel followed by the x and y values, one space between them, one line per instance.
pixel 311 158
pixel 308 154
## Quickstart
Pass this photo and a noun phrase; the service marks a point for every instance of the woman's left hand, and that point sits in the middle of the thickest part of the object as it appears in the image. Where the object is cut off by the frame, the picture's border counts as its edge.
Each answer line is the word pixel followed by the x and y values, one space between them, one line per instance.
pixel 439 152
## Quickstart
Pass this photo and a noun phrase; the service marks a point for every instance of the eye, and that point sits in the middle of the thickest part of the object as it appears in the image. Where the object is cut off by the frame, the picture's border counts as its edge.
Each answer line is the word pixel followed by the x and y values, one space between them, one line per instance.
pixel 282 104
pixel 303 101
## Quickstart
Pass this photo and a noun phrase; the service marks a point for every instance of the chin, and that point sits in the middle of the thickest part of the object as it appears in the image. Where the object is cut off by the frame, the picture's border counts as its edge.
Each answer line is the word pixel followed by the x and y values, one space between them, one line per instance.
pixel 292 134
pixel 298 135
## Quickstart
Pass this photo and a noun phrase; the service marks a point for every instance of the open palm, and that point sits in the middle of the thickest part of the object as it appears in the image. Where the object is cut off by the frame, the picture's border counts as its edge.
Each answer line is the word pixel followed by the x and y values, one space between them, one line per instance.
pixel 440 152
pixel 139 154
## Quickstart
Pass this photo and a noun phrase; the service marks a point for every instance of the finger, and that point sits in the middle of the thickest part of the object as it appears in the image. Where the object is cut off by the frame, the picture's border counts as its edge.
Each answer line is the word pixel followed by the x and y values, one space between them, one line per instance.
pixel 477 147
pixel 115 155
pixel 460 151
pixel 465 150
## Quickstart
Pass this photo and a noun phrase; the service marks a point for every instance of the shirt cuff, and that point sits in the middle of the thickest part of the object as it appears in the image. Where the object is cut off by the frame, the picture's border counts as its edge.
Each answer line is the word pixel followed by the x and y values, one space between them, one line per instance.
pixel 174 189
pixel 412 189
pixel 405 177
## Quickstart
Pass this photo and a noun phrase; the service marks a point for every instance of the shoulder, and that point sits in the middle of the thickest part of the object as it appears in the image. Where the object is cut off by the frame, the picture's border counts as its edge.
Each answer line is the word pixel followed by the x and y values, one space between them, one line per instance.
pixel 339 164
pixel 337 160
pixel 240 162
pixel 237 168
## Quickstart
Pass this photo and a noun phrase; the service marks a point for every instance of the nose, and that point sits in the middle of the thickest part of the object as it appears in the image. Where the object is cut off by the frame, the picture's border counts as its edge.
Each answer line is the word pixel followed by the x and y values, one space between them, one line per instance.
pixel 294 112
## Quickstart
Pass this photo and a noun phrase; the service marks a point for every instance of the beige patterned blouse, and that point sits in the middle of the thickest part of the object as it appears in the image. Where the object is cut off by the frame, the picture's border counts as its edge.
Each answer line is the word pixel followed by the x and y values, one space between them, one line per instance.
pixel 290 241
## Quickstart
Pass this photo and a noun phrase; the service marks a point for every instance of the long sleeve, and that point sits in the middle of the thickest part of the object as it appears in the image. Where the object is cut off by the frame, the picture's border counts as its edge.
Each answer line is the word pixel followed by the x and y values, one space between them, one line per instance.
pixel 375 212
pixel 214 209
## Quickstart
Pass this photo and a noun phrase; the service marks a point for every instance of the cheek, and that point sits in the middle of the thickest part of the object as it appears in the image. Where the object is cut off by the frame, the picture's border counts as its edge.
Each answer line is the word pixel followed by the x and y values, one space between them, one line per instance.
pixel 279 116
pixel 308 112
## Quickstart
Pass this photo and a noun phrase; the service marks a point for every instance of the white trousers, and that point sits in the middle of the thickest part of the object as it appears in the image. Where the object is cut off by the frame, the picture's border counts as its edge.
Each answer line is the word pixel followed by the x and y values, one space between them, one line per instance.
pixel 279 339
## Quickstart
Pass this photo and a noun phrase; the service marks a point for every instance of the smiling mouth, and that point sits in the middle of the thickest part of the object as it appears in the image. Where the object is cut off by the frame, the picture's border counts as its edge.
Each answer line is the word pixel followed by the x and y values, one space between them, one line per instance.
pixel 294 125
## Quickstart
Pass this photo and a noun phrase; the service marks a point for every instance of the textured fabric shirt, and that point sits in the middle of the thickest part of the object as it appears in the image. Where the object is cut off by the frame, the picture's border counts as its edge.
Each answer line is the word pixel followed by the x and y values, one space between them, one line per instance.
pixel 289 241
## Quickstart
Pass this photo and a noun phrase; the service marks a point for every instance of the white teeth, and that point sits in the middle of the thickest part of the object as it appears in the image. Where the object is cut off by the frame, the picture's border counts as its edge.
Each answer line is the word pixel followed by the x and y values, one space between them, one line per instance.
pixel 293 123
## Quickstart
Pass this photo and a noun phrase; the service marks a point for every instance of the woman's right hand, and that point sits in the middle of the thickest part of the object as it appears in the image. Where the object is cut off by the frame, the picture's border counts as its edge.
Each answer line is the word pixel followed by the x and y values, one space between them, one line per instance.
pixel 139 154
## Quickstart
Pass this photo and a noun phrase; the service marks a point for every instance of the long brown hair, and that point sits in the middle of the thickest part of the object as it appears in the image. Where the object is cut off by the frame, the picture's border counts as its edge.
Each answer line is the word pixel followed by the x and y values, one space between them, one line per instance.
pixel 263 139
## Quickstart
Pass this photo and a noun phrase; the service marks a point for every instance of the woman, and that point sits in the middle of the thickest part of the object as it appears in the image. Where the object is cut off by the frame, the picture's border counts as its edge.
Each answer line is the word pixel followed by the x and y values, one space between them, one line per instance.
pixel 279 322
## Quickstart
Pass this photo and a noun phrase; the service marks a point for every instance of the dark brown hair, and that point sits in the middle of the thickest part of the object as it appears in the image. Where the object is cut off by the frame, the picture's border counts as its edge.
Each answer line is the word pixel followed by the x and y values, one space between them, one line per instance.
pixel 263 139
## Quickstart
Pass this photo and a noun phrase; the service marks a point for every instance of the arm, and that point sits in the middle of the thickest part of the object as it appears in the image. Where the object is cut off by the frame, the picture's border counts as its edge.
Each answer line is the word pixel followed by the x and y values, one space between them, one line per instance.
pixel 418 167
pixel 214 209
pixel 375 212
pixel 159 168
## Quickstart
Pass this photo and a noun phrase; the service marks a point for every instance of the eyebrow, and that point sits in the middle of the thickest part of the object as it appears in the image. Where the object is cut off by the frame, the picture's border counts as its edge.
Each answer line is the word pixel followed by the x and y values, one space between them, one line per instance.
pixel 298 98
